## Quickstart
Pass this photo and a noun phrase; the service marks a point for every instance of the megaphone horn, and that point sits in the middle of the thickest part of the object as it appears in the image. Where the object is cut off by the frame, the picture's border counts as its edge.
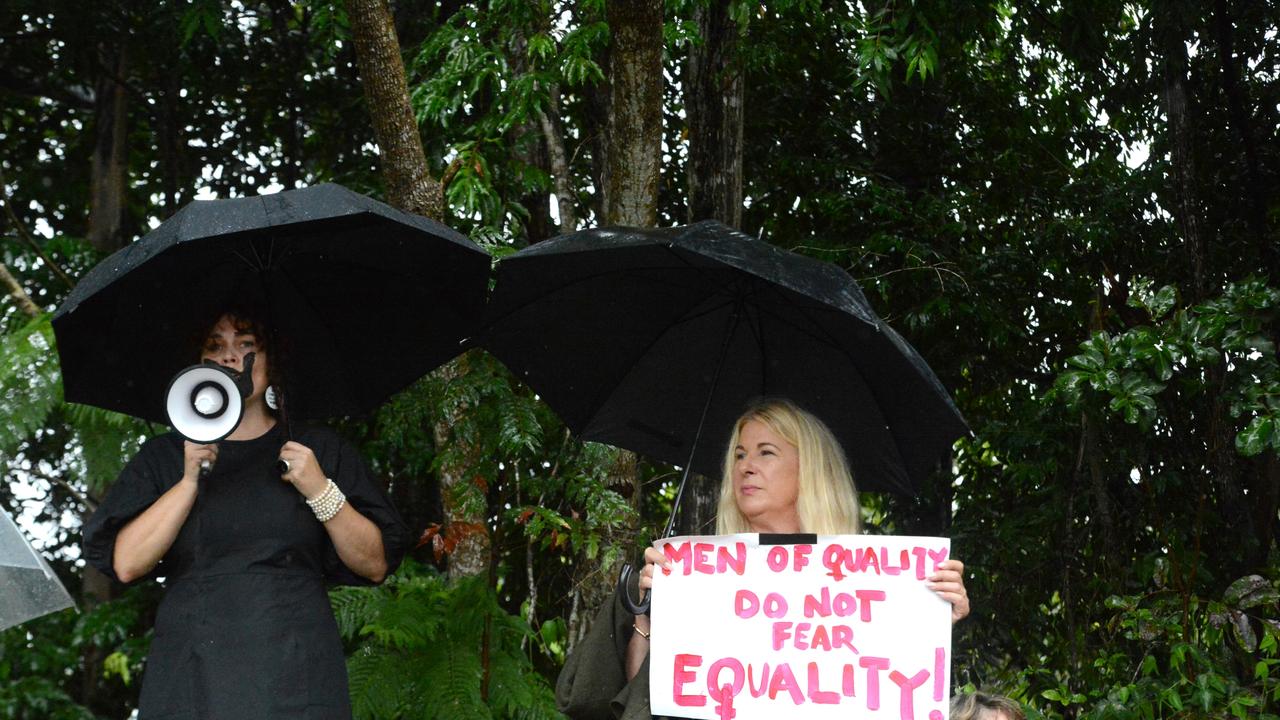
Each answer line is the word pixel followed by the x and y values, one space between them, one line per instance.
pixel 205 402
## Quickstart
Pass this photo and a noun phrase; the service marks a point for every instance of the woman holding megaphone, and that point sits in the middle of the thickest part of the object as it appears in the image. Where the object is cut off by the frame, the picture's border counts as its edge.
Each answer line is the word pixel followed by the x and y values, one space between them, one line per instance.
pixel 247 546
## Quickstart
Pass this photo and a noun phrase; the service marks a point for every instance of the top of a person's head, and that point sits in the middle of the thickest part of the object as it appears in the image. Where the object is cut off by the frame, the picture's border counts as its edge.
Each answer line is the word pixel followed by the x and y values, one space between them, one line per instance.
pixel 250 318
pixel 828 501
pixel 247 318
pixel 985 706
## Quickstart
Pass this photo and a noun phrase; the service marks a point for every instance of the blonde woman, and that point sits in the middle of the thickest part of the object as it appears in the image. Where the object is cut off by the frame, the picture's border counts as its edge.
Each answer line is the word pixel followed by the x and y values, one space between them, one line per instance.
pixel 784 472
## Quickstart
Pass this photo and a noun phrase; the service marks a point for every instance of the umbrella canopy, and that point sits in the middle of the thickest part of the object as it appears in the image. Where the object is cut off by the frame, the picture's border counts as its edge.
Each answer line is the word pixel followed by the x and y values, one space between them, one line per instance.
pixel 625 332
pixel 369 298
pixel 30 587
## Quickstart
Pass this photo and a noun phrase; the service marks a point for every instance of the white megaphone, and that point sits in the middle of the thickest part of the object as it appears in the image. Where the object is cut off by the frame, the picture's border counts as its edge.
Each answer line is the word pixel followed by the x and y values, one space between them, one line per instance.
pixel 205 402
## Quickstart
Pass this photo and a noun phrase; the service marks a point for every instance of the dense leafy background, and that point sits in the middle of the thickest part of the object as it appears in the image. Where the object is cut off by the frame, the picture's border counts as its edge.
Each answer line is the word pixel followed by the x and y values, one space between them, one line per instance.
pixel 1005 180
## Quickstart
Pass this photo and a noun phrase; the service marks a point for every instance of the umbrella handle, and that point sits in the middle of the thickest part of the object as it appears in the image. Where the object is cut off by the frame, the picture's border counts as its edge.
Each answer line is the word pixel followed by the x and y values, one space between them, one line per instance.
pixel 624 592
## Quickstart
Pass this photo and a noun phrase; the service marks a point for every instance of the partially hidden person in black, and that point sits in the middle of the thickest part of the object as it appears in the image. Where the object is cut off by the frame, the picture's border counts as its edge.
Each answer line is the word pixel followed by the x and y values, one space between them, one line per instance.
pixel 784 472
pixel 245 629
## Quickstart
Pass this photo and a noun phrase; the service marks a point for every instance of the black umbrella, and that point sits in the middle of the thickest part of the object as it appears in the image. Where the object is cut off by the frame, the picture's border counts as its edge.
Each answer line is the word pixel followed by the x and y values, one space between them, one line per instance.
pixel 623 332
pixel 368 297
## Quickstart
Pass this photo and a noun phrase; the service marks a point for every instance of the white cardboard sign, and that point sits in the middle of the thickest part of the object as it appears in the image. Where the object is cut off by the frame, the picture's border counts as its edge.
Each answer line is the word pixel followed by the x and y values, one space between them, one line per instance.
pixel 842 628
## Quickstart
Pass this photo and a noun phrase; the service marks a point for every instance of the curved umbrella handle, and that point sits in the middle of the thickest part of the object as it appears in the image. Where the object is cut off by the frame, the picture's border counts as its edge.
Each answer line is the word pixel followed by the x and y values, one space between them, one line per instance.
pixel 624 591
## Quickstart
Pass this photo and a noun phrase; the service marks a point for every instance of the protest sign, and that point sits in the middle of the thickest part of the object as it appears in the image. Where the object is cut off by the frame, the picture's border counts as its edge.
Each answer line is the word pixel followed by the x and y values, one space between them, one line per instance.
pixel 843 627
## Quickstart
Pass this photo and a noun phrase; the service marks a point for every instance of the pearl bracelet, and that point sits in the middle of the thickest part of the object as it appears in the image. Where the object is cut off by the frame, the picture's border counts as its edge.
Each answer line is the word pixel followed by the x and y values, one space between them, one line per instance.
pixel 328 503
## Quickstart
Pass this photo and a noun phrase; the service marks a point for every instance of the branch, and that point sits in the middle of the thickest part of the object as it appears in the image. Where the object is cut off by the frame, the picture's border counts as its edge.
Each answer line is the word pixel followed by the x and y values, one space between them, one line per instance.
pixel 450 172
pixel 17 293
pixel 26 237
pixel 75 493
pixel 78 97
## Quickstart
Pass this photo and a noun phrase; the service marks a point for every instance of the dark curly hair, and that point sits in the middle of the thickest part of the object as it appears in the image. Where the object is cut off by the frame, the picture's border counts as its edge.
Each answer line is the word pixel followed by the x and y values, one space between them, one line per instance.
pixel 248 318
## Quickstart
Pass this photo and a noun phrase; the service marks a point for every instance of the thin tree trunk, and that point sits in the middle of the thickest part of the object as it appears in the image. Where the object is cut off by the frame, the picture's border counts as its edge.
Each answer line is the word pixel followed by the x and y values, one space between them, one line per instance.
pixel 1101 494
pixel 169 144
pixel 110 155
pixel 713 103
pixel 558 159
pixel 528 143
pixel 697 512
pixel 634 124
pixel 410 186
pixel 1243 126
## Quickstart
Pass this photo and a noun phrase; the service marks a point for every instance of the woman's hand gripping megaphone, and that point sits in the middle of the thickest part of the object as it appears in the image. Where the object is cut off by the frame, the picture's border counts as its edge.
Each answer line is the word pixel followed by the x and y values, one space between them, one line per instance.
pixel 198 459
pixel 205 403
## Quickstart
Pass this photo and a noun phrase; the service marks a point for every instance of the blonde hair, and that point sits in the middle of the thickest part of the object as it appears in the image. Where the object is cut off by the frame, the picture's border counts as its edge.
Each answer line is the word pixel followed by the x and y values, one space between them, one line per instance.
pixel 983 706
pixel 827 502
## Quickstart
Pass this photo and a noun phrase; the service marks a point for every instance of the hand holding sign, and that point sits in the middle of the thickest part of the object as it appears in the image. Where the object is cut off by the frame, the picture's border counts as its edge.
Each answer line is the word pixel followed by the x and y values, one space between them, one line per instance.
pixel 948 582
pixel 845 627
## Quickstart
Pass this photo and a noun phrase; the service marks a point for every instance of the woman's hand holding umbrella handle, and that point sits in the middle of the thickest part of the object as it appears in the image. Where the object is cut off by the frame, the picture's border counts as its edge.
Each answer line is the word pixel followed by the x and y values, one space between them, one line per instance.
pixel 948 581
pixel 355 537
pixel 302 471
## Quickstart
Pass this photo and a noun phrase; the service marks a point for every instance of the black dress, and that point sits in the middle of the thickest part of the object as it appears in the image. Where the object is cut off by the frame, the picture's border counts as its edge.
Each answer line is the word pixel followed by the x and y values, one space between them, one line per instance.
pixel 245 629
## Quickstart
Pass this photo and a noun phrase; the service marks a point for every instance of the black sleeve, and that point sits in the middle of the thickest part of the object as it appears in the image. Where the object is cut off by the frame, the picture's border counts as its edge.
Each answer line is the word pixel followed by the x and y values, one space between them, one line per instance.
pixel 141 482
pixel 367 496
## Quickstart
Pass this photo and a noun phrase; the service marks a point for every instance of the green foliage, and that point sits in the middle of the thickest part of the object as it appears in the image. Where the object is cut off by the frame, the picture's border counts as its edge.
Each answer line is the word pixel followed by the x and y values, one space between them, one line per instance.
pixel 426 648
pixel 30 385
pixel 1227 335
pixel 42 660
pixel 1171 655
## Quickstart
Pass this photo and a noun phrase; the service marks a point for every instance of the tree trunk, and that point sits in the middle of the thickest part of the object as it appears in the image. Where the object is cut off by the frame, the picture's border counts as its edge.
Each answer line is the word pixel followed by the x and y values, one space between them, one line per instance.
pixel 110 154
pixel 410 186
pixel 107 170
pixel 1179 137
pixel 1220 427
pixel 95 589
pixel 627 155
pixel 713 104
pixel 463 498
pixel 634 124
